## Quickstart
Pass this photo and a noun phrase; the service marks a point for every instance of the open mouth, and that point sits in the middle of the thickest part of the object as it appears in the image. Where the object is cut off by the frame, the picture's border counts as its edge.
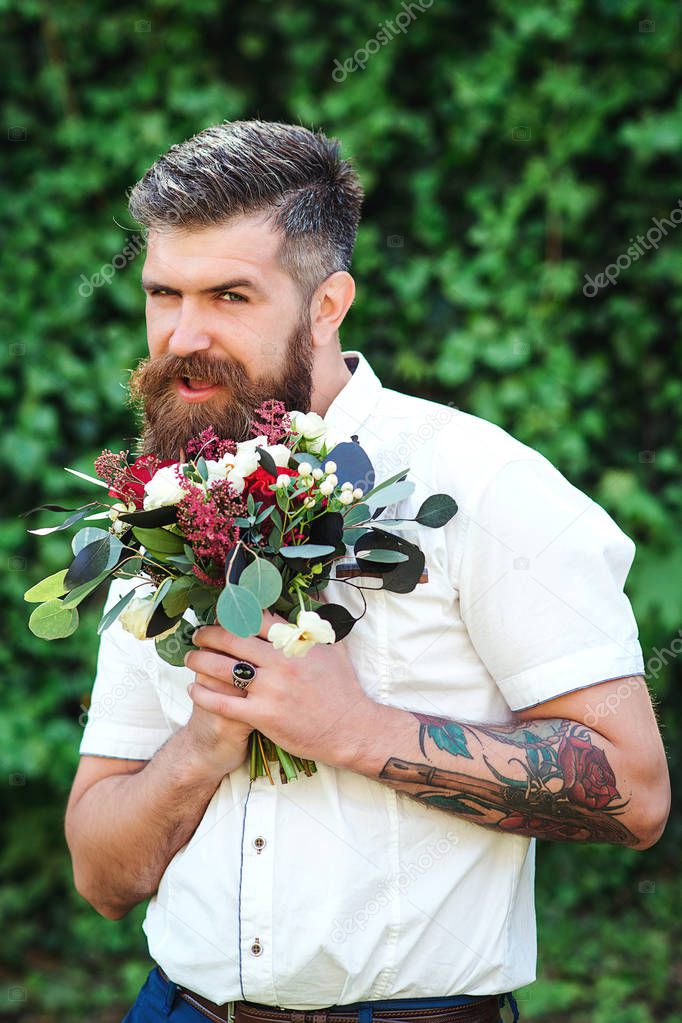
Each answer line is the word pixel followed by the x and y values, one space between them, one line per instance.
pixel 194 389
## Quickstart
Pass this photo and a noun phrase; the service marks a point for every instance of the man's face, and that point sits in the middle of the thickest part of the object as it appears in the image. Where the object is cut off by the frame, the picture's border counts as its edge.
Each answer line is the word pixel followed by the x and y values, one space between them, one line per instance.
pixel 226 329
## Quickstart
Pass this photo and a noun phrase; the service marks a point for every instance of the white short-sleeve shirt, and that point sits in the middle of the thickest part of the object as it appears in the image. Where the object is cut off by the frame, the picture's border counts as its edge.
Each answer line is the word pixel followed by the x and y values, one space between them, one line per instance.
pixel 353 890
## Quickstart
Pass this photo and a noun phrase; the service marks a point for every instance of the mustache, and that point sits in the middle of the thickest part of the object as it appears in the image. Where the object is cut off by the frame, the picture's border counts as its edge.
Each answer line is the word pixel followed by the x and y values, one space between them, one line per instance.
pixel 154 375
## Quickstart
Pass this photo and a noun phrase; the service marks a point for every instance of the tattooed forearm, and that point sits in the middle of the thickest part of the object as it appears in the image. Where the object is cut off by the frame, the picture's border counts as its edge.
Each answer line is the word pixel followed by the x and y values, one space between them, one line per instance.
pixel 547 778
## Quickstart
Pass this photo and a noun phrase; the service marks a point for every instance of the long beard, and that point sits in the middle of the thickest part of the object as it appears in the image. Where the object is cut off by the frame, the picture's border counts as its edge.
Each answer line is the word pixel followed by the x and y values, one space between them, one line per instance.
pixel 168 422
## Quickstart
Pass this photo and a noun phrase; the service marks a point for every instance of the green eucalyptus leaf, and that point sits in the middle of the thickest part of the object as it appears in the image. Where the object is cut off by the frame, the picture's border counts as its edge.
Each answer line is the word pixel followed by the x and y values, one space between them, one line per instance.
pixel 86 536
pixel 52 620
pixel 436 510
pixel 356 513
pixel 79 593
pixel 238 611
pixel 159 540
pixel 92 560
pixel 263 580
pixel 173 648
pixel 387 483
pixel 379 555
pixel 177 599
pixel 390 495
pixel 307 550
pixel 112 614
pixel 76 517
pixel 161 592
pixel 47 589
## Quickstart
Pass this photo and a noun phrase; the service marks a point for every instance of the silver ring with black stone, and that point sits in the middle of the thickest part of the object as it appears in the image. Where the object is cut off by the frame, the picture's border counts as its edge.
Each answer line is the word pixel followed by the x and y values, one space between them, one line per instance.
pixel 243 672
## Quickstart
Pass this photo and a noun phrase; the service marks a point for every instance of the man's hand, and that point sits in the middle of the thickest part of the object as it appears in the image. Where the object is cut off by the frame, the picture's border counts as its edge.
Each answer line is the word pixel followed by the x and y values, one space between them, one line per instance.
pixel 313 706
pixel 217 743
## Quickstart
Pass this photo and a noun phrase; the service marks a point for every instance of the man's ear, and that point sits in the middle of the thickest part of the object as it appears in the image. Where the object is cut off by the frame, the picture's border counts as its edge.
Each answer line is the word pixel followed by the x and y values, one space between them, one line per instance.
pixel 329 305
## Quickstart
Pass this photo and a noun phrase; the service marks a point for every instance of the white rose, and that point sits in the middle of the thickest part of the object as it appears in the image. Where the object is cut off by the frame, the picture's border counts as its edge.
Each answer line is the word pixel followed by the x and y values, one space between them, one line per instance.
pixel 163 488
pixel 251 443
pixel 236 480
pixel 217 470
pixel 309 424
pixel 246 461
pixel 135 616
pixel 280 454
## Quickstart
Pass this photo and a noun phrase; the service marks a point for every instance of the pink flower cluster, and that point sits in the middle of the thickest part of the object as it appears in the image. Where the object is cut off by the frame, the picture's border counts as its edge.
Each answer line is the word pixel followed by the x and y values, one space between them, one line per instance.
pixel 207 521
pixel 210 446
pixel 271 420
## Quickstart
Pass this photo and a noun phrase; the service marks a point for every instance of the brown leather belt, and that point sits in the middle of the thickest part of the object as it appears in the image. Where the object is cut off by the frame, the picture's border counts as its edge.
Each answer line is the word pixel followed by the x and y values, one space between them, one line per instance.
pixel 485 1010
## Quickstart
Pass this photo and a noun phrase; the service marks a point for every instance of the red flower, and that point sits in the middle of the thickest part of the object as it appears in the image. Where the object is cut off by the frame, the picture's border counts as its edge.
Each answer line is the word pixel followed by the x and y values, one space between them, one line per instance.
pixel 588 778
pixel 257 484
pixel 130 484
pixel 557 830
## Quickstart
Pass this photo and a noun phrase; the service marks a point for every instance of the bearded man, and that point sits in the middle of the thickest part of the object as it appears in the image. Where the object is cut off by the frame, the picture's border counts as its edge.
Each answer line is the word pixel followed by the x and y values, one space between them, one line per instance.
pixel 452 727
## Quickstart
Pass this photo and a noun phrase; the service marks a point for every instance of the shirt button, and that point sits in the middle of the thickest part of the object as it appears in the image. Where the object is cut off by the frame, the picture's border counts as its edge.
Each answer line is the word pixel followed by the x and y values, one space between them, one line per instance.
pixel 256 948
pixel 259 843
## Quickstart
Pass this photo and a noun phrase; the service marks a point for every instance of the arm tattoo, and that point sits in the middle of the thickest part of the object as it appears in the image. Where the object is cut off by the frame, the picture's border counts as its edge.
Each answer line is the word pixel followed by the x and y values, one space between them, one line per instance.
pixel 568 792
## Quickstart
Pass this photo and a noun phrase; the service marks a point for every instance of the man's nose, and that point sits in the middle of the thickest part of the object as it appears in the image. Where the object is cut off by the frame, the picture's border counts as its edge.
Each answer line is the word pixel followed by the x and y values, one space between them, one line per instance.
pixel 189 335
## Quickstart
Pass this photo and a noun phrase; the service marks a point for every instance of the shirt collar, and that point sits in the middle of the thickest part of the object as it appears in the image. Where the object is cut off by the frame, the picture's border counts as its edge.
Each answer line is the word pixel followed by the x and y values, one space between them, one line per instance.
pixel 358 397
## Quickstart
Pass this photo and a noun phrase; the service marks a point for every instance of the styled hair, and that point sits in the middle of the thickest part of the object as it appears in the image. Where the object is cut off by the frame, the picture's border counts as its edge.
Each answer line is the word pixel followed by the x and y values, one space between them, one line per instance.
pixel 293 175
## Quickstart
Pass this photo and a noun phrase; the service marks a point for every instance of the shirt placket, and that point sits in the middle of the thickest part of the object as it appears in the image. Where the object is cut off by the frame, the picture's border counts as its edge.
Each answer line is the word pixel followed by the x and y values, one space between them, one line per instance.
pixel 256 891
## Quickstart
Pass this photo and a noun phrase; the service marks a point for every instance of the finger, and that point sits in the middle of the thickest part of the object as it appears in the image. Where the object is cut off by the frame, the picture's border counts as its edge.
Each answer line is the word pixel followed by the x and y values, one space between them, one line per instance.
pixel 208 662
pixel 270 618
pixel 242 648
pixel 225 704
pixel 217 685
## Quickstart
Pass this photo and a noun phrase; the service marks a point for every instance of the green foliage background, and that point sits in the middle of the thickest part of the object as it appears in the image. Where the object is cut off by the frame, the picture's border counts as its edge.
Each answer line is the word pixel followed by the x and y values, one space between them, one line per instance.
pixel 507 150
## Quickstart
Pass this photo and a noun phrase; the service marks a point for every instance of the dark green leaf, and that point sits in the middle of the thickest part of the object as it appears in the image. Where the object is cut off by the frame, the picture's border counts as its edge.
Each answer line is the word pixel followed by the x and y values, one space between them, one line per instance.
pixel 76 517
pixel 173 648
pixel 436 510
pixel 91 561
pixel 267 462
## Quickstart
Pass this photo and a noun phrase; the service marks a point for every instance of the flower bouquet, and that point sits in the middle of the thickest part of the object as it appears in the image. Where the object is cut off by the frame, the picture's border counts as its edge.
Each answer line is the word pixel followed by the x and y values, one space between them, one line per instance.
pixel 233 528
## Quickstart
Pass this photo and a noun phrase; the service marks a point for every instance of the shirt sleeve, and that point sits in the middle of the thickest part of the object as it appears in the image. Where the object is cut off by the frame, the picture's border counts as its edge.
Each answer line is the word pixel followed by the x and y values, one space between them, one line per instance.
pixel 125 718
pixel 541 586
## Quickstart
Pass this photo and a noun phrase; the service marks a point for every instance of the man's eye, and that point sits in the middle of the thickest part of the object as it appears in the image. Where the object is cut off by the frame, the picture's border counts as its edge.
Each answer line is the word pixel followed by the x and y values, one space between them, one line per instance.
pixel 234 295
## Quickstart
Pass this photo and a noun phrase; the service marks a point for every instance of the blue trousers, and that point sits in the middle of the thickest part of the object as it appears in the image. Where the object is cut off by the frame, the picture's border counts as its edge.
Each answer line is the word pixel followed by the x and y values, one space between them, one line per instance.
pixel 158 1001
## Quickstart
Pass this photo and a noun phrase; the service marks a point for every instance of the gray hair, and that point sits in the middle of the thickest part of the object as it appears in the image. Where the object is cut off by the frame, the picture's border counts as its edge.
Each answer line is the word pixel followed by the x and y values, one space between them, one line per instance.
pixel 293 175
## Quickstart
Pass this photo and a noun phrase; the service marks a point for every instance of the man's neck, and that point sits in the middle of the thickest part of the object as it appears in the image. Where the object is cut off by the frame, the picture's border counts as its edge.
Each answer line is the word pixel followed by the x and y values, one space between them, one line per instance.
pixel 323 395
